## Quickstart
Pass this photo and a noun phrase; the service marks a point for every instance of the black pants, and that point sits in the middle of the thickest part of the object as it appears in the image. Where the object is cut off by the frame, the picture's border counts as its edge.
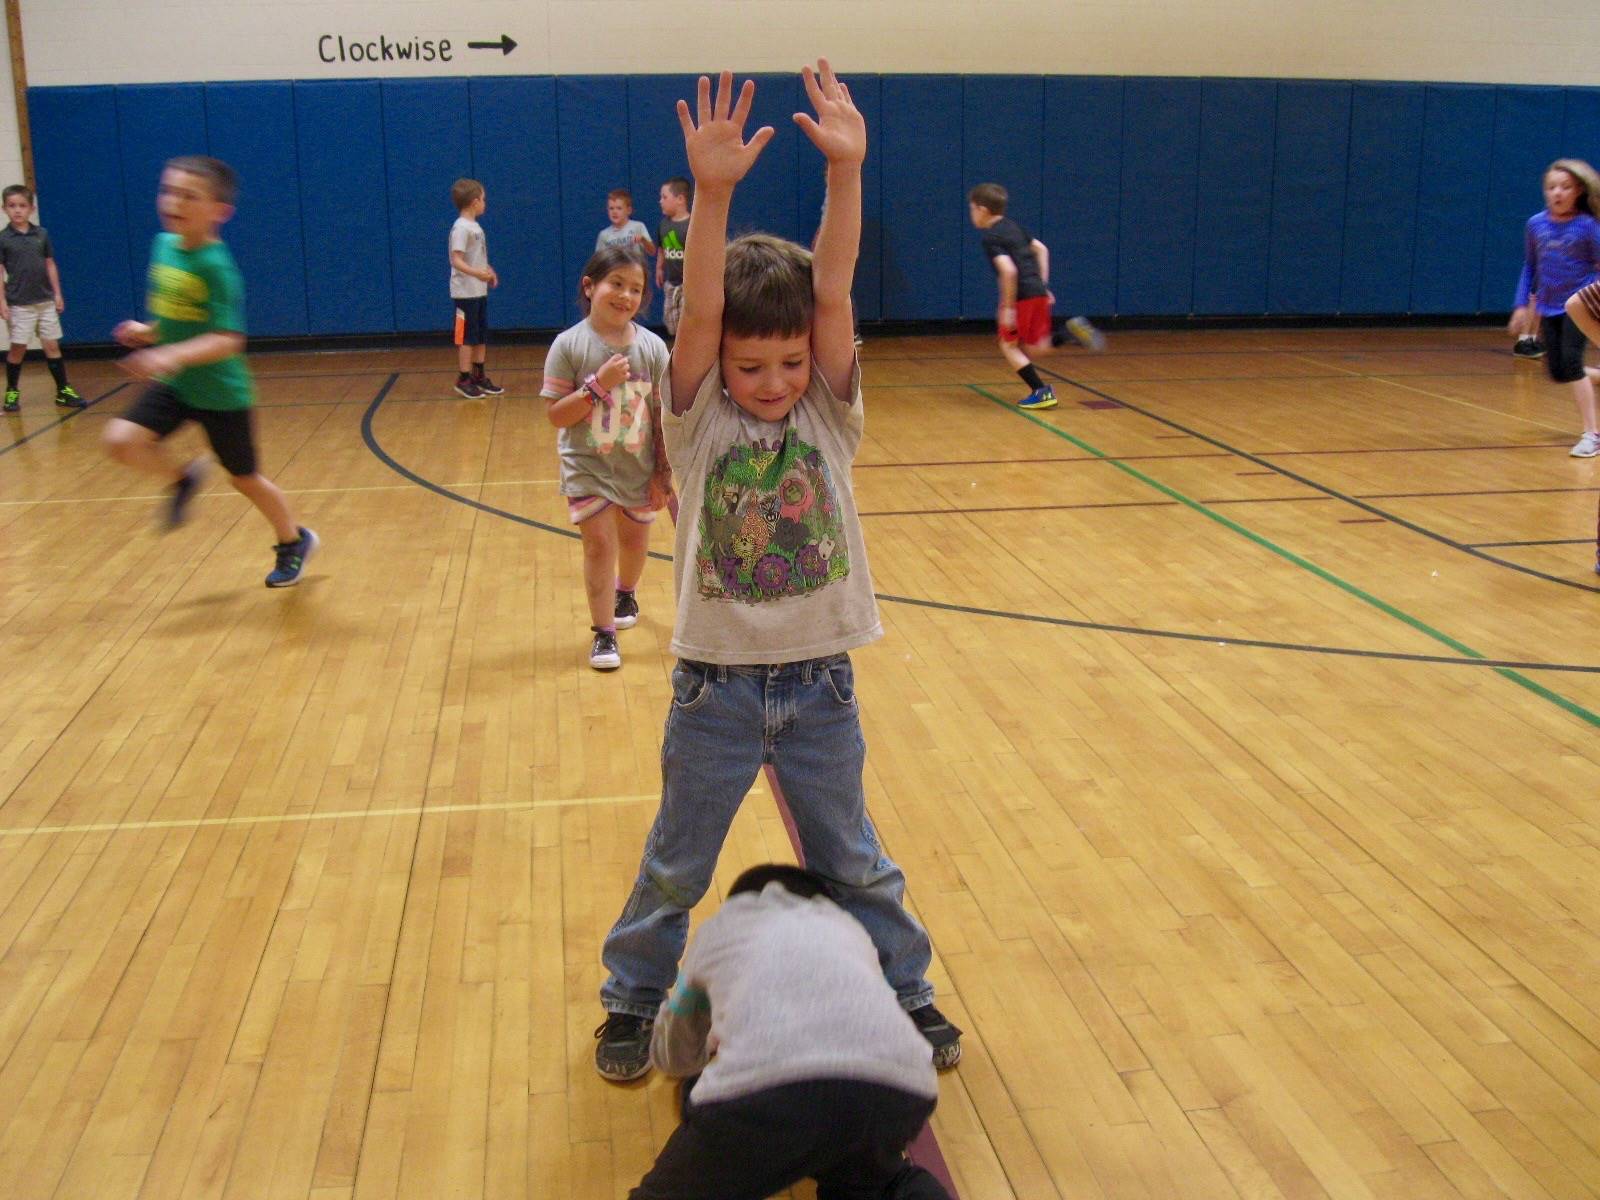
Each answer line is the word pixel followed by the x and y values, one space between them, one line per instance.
pixel 848 1136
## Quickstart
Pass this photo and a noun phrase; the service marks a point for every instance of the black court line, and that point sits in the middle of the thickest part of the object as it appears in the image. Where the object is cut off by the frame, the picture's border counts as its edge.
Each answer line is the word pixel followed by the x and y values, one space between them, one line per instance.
pixel 1547 542
pixel 405 472
pixel 60 421
pixel 1326 490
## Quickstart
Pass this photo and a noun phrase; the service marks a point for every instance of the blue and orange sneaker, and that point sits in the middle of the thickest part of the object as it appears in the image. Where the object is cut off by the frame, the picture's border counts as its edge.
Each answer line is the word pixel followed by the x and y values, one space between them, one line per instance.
pixel 1045 397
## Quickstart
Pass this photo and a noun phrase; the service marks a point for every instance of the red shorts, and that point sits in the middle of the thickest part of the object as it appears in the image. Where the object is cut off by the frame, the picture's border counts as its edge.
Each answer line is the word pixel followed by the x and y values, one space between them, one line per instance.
pixel 1033 322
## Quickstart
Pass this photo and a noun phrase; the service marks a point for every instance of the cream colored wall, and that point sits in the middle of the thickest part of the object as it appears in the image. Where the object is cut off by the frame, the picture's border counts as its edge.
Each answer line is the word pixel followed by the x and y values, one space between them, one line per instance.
pixel 124 41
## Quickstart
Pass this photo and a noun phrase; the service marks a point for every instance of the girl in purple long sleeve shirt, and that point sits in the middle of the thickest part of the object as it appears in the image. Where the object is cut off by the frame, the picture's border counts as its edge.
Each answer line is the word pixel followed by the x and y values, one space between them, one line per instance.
pixel 1563 255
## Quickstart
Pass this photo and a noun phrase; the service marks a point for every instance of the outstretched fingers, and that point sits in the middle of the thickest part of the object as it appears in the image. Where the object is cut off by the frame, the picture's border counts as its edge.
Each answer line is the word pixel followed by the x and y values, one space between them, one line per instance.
pixel 703 101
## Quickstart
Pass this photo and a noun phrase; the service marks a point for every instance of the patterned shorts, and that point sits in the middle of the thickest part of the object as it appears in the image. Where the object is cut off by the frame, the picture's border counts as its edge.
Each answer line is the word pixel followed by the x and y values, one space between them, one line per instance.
pixel 581 508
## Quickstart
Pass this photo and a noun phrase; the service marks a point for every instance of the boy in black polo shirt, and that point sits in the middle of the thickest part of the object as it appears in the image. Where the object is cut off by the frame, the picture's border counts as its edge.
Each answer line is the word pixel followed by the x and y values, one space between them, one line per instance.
pixel 33 301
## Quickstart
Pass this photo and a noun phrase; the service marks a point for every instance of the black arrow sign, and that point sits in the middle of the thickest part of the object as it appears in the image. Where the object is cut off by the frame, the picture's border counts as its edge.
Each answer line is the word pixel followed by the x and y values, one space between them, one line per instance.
pixel 505 45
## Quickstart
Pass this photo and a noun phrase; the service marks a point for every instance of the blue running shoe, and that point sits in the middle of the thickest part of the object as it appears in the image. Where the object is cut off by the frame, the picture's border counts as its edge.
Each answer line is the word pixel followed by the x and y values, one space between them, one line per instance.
pixel 183 491
pixel 292 559
pixel 1045 397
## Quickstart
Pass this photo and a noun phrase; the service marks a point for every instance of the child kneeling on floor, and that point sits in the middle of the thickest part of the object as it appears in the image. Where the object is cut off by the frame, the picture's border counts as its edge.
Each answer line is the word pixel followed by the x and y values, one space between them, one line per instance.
pixel 818 1071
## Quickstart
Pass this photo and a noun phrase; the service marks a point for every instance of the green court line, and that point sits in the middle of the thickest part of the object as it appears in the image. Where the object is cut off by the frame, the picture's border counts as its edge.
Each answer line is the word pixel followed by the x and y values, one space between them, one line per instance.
pixel 1383 606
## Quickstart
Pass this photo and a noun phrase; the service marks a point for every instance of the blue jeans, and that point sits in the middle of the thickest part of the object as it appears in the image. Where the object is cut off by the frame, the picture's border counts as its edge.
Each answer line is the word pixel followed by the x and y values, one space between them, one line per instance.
pixel 725 722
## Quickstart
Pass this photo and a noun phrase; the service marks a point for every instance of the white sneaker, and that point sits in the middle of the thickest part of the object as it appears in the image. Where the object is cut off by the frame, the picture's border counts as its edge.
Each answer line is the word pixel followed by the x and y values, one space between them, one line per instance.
pixel 1587 446
pixel 603 655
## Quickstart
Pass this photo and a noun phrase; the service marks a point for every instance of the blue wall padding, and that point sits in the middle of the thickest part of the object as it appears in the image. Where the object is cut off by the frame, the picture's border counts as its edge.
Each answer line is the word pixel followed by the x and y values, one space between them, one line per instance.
pixel 344 207
pixel 1381 196
pixel 1528 123
pixel 251 127
pixel 923 216
pixel 1580 136
pixel 592 141
pixel 514 155
pixel 1162 197
pixel 1233 204
pixel 1452 190
pixel 155 122
pixel 1002 138
pixel 765 201
pixel 1082 189
pixel 867 95
pixel 427 134
pixel 1309 171
pixel 1160 167
pixel 79 169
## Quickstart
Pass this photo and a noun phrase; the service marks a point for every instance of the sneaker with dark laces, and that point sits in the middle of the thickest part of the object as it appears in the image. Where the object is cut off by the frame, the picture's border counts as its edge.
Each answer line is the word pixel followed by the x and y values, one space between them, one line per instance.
pixel 183 491
pixel 488 386
pixel 13 400
pixel 292 559
pixel 468 389
pixel 1528 347
pixel 604 655
pixel 67 397
pixel 627 611
pixel 944 1037
pixel 623 1052
pixel 1045 397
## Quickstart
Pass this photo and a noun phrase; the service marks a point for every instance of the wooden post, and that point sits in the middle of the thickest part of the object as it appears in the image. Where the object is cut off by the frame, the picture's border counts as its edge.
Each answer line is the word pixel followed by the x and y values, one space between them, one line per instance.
pixel 19 86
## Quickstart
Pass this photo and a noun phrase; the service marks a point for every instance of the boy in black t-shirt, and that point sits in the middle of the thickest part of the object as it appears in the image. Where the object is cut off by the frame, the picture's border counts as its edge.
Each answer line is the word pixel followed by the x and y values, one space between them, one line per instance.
pixel 673 236
pixel 1022 266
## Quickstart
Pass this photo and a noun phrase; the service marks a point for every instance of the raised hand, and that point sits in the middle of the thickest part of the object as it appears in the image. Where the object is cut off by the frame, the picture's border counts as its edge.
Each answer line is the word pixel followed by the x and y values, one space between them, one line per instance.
pixel 718 154
pixel 839 130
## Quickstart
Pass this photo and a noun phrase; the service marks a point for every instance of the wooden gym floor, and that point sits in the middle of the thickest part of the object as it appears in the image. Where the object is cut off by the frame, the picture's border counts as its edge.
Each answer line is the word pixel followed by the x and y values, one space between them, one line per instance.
pixel 1235 726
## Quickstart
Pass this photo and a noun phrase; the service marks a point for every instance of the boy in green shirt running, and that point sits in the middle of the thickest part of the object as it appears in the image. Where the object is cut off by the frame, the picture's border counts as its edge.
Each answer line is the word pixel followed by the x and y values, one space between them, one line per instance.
pixel 193 354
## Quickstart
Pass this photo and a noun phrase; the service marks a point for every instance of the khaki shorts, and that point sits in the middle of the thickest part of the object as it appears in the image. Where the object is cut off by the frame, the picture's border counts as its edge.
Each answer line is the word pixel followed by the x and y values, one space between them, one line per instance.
pixel 30 319
pixel 671 306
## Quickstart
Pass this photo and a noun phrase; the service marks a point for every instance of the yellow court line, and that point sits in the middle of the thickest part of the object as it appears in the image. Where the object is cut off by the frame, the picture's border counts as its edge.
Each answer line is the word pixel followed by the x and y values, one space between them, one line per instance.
pixel 352 814
pixel 381 487
pixel 1410 387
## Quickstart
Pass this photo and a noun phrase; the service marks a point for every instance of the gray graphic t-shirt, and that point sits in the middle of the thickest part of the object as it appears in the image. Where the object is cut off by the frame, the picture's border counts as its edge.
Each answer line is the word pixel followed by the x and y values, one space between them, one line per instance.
pixel 626 236
pixel 770 565
pixel 467 237
pixel 612 453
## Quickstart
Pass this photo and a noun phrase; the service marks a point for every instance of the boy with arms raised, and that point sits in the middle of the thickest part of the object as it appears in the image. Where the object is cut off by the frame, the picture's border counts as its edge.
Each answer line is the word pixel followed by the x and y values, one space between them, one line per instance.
pixel 762 419
pixel 193 355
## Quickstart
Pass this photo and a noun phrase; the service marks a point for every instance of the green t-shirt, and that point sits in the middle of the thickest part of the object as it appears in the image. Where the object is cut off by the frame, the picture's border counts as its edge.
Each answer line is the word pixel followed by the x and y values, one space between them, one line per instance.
pixel 193 292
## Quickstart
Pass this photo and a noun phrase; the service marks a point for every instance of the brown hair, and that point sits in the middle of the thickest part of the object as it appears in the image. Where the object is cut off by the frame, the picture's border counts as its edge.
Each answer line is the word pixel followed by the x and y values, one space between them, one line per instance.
pixel 991 196
pixel 221 181
pixel 463 192
pixel 766 286
pixel 1588 182
pixel 622 194
pixel 679 186
pixel 17 189
pixel 606 260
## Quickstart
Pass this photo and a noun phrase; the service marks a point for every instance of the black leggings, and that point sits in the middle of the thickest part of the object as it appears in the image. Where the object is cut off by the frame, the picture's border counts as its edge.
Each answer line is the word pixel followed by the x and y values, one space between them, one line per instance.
pixel 1563 348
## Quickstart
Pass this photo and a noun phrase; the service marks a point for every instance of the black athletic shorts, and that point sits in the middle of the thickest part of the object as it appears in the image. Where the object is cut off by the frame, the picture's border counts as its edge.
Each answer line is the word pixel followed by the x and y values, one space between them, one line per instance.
pixel 1563 348
pixel 472 320
pixel 231 433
